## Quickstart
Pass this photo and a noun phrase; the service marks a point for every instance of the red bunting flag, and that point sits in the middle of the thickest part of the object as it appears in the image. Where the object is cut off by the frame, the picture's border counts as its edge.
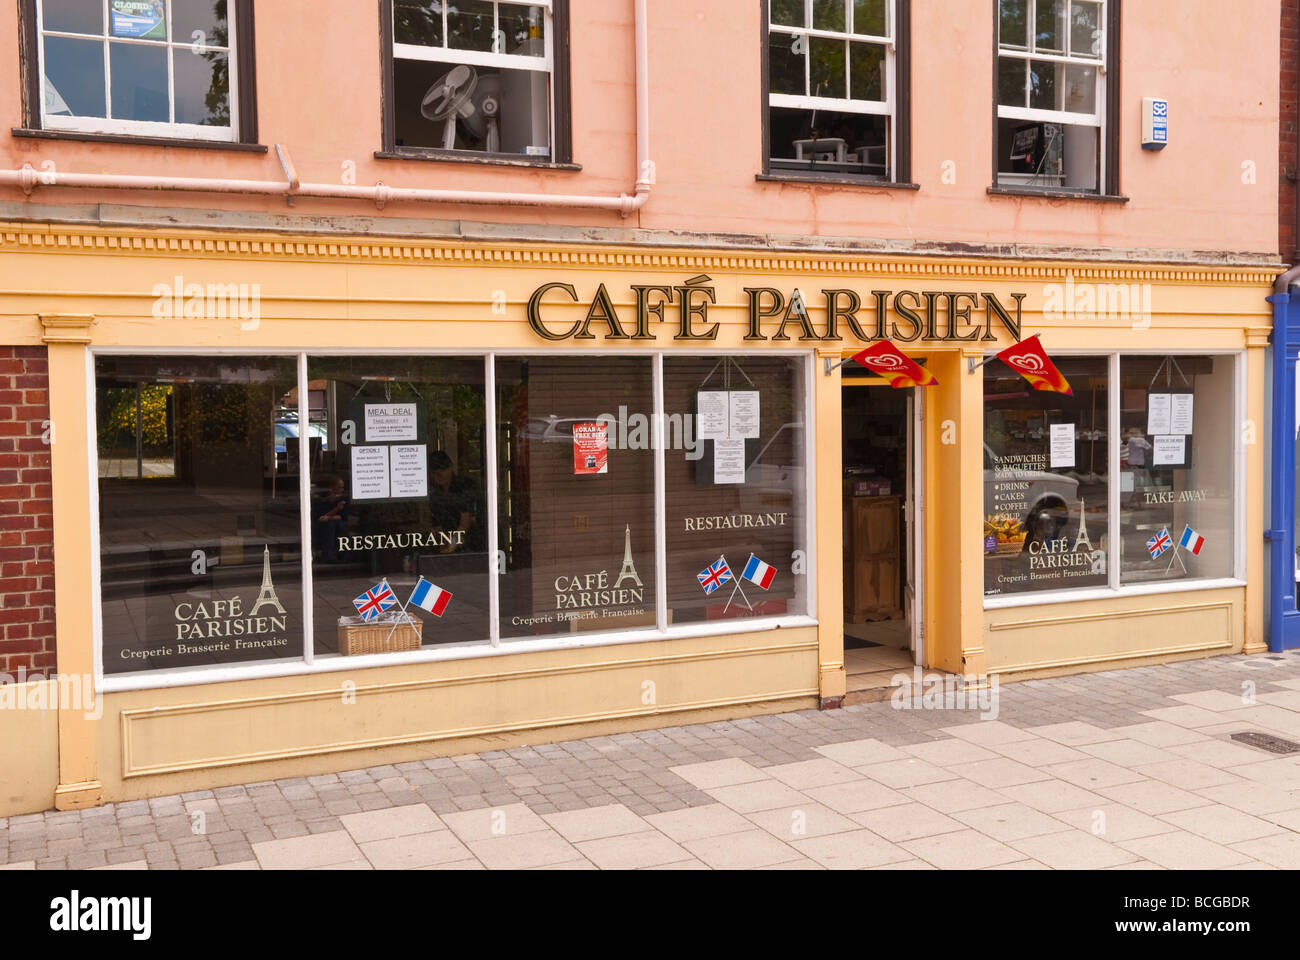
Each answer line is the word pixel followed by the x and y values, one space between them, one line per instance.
pixel 886 360
pixel 1029 360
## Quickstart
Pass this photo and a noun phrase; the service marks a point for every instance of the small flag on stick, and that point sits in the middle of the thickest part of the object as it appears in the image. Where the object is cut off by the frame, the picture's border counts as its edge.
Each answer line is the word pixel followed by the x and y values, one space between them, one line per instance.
pixel 428 596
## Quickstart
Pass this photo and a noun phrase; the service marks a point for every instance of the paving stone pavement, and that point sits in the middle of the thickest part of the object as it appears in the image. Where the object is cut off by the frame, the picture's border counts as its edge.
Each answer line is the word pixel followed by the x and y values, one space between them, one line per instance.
pixel 1127 769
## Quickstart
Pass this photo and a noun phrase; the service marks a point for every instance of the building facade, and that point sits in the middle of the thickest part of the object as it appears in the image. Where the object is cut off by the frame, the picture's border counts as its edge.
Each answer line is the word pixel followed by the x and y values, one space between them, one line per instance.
pixel 491 386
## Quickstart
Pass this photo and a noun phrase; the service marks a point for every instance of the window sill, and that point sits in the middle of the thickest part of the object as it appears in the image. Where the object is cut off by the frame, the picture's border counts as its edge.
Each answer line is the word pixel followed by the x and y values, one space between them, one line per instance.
pixel 1057 194
pixel 996 602
pixel 833 180
pixel 202 675
pixel 138 141
pixel 465 156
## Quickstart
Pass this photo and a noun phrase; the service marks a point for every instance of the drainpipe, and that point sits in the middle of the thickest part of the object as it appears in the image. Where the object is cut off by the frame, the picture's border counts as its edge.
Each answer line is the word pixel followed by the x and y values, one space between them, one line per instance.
pixel 28 179
pixel 1284 618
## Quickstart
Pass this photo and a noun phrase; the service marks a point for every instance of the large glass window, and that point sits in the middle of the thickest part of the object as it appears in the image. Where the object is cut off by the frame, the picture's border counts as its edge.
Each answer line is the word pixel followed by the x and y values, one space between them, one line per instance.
pixel 1046 480
pixel 575 494
pixel 475 75
pixel 1051 94
pixel 434 514
pixel 832 87
pixel 736 483
pixel 199 526
pixel 397 447
pixel 1178 471
pixel 1047 486
pixel 150 67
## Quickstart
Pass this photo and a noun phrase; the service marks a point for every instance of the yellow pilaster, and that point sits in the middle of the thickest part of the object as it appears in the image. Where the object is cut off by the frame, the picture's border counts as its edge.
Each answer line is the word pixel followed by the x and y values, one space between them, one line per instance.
pixel 67 337
pixel 1254 434
pixel 954 433
pixel 832 681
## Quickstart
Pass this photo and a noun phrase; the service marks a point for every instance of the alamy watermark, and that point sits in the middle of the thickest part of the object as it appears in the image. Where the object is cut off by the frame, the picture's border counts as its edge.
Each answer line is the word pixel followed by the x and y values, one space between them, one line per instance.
pixel 945 691
pixel 61 691
pixel 179 300
pixel 1129 302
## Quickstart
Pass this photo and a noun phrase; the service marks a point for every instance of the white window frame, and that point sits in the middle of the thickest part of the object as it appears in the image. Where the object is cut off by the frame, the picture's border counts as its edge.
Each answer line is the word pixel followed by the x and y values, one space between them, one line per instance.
pixel 478 58
pixel 491 645
pixel 107 124
pixel 1115 588
pixel 880 108
pixel 1027 54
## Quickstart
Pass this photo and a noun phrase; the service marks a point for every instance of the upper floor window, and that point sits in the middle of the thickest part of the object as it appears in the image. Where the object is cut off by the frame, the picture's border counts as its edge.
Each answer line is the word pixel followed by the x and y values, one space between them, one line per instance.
pixel 475 75
pixel 169 68
pixel 836 86
pixel 1052 94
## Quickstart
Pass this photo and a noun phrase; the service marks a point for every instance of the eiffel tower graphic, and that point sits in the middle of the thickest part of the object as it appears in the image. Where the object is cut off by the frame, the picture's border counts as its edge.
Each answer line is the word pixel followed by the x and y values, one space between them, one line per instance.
pixel 1082 538
pixel 267 597
pixel 629 570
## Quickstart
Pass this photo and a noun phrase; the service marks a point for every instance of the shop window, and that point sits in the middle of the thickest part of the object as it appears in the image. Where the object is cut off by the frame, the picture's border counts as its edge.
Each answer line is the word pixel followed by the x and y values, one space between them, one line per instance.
pixel 484 77
pixel 1053 86
pixel 166 68
pixel 736 482
pixel 836 93
pixel 576 495
pixel 1046 481
pixel 199 529
pixel 396 448
pixel 1178 468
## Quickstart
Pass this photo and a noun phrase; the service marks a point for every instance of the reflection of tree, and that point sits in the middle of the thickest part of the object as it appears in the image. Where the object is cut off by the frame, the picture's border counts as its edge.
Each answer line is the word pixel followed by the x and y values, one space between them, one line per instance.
pixel 117 424
pixel 418 21
pixel 218 96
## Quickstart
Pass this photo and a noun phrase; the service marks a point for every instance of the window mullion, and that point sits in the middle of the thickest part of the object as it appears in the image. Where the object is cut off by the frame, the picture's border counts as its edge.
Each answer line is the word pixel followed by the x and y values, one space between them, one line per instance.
pixel 1113 431
pixel 661 497
pixel 304 511
pixel 490 451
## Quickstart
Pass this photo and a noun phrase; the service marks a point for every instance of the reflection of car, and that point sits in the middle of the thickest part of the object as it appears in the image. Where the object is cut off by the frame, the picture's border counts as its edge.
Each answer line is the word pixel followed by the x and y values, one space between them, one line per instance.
pixel 778 479
pixel 286 430
pixel 1048 496
pixel 553 429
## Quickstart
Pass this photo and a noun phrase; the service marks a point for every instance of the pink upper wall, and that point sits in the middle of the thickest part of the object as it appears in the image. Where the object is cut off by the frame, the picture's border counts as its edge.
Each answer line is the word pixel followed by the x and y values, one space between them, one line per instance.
pixel 318 72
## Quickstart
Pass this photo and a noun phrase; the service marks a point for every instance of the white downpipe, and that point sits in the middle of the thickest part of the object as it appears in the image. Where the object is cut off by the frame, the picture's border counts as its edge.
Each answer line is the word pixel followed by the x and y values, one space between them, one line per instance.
pixel 28 178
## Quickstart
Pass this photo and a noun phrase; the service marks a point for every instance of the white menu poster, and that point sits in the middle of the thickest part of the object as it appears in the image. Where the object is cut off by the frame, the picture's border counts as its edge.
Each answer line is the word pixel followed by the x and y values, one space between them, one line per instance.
pixel 386 422
pixel 1062 450
pixel 715 414
pixel 744 415
pixel 1170 451
pixel 369 473
pixel 1158 409
pixel 1180 414
pixel 729 461
pixel 409 471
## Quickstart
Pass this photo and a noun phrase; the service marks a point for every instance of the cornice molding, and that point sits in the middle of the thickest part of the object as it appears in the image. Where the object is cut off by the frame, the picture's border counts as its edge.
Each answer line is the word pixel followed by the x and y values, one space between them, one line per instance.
pixel 182 243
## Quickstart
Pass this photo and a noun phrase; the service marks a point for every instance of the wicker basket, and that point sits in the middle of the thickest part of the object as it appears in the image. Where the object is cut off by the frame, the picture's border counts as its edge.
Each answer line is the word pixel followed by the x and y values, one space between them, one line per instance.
pixel 391 633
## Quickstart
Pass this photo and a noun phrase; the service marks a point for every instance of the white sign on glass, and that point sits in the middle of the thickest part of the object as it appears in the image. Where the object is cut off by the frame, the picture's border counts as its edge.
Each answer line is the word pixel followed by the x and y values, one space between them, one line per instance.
pixel 369 473
pixel 388 422
pixel 1158 414
pixel 715 414
pixel 1062 450
pixel 1180 413
pixel 1170 451
pixel 744 415
pixel 729 461
pixel 409 471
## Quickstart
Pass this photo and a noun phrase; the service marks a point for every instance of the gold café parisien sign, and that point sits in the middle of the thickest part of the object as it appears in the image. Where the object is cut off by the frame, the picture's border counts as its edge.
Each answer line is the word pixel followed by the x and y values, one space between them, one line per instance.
pixel 905 315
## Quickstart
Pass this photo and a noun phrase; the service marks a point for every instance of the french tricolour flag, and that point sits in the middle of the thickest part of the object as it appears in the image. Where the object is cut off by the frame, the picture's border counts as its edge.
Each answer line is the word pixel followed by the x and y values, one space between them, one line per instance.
pixel 426 596
pixel 756 571
pixel 1192 541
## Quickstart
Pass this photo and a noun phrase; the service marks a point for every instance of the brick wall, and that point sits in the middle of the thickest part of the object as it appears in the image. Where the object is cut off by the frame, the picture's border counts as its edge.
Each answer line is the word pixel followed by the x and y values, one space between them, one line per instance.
pixel 1289 154
pixel 26 516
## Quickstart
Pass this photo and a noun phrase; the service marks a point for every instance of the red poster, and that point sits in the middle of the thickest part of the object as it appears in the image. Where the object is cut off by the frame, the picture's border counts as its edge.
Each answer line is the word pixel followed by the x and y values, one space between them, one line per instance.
pixel 590 448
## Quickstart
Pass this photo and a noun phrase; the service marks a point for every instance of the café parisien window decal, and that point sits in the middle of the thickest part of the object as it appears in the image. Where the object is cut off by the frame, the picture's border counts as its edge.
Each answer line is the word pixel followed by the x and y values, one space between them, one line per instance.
pixel 226 624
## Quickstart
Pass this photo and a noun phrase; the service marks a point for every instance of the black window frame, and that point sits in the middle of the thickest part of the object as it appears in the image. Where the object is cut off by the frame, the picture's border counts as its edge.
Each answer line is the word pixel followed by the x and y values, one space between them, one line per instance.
pixel 1110 133
pixel 901 175
pixel 244 59
pixel 562 125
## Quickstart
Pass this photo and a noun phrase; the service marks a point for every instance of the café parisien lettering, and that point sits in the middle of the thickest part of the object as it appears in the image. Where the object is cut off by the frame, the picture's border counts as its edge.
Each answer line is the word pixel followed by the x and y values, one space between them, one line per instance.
pixel 904 316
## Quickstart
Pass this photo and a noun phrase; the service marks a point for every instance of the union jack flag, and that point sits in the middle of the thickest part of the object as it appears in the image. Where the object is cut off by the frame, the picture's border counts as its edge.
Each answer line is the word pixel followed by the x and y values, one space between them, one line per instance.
pixel 374 601
pixel 1159 544
pixel 714 575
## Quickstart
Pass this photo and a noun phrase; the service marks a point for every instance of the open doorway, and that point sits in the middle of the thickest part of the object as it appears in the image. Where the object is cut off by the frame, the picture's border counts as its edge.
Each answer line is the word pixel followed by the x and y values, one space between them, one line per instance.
pixel 882 590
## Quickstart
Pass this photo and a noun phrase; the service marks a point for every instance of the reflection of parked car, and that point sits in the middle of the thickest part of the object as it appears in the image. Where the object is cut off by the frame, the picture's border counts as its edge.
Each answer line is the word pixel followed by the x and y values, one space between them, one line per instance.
pixel 553 429
pixel 286 430
pixel 1048 495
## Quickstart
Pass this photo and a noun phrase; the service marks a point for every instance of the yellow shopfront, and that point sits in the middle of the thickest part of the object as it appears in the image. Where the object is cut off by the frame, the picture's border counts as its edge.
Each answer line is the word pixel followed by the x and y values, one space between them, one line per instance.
pixel 321 505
